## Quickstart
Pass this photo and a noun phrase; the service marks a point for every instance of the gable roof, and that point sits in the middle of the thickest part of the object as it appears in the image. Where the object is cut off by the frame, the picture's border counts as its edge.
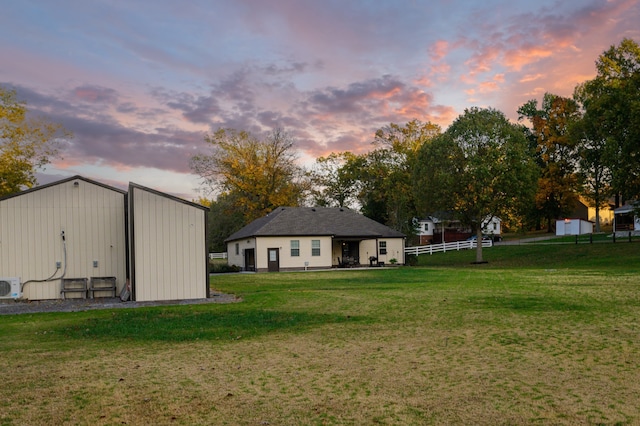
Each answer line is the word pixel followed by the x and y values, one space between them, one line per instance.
pixel 315 221
pixel 133 186
pixel 62 181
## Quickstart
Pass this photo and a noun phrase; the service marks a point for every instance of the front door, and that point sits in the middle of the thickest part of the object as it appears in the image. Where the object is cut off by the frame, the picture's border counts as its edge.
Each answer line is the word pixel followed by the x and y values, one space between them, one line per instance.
pixel 249 259
pixel 274 259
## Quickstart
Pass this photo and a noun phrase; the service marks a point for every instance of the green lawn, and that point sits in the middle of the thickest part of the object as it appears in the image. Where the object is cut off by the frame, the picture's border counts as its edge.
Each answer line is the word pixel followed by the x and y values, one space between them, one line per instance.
pixel 542 334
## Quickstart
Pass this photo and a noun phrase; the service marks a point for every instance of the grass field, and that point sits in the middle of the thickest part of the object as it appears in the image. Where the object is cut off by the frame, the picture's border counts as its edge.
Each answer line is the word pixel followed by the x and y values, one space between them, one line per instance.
pixel 542 334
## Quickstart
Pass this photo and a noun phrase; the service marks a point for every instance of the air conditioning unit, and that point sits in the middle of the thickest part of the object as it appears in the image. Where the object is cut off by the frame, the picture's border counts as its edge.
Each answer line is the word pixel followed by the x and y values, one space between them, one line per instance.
pixel 10 288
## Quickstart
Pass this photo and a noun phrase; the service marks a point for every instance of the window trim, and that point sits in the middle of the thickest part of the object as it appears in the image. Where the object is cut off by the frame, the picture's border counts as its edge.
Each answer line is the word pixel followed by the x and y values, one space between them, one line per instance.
pixel 295 248
pixel 315 251
pixel 382 247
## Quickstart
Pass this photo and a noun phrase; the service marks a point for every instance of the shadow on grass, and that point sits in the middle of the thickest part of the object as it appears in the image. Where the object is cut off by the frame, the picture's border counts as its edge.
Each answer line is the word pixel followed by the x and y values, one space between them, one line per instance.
pixel 181 325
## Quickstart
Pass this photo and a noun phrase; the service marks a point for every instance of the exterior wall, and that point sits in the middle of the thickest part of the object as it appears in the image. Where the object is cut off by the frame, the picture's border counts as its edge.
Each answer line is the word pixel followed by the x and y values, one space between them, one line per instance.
pixel 606 215
pixel 238 259
pixel 395 250
pixel 288 262
pixel 586 227
pixel 93 220
pixel 329 252
pixel 169 259
pixel 573 227
pixel 425 231
pixel 492 227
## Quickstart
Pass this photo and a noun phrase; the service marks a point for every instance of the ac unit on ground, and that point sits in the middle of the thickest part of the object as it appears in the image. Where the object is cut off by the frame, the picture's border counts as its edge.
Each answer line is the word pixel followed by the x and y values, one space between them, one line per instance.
pixel 10 288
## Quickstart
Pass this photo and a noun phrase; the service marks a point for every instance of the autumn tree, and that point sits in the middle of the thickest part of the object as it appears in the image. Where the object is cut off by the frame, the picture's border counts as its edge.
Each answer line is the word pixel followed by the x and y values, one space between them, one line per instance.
pixel 558 185
pixel 258 175
pixel 26 143
pixel 611 103
pixel 480 167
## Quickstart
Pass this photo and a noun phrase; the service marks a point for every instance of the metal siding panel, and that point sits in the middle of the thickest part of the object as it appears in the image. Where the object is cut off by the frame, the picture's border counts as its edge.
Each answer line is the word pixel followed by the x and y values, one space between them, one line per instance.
pixel 200 255
pixel 142 252
pixel 167 234
pixel 37 219
pixel 170 225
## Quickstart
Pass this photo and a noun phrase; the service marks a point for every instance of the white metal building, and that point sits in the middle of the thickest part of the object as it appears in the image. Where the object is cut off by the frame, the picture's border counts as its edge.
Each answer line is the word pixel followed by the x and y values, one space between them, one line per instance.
pixel 78 238
pixel 71 229
pixel 168 246
pixel 573 226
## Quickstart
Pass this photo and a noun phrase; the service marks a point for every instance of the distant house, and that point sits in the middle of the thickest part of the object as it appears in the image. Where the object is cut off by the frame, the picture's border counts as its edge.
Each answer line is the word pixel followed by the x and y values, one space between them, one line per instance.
pixel 626 219
pixel 300 238
pixel 78 238
pixel 433 230
pixel 605 212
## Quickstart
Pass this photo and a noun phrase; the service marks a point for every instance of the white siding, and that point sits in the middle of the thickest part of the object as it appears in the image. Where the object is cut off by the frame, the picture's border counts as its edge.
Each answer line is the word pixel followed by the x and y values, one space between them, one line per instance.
pixel 329 252
pixel 573 227
pixel 395 250
pixel 169 250
pixel 238 259
pixel 93 220
pixel 288 262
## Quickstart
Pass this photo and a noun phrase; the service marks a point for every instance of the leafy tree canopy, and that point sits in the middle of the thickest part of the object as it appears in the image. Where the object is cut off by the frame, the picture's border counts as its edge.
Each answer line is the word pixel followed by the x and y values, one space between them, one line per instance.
pixel 26 143
pixel 478 168
pixel 557 154
pixel 259 175
pixel 611 103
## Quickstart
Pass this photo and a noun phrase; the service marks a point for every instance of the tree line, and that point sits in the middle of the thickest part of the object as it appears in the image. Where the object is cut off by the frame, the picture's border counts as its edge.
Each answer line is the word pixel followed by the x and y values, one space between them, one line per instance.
pixel 528 173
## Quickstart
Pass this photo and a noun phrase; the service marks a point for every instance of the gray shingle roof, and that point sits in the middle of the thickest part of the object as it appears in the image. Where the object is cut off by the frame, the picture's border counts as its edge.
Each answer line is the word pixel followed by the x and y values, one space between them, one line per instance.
pixel 320 221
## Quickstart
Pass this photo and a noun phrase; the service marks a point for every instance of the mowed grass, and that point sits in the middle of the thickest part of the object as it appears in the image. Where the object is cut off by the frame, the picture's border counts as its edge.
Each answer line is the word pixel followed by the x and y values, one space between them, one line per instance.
pixel 544 334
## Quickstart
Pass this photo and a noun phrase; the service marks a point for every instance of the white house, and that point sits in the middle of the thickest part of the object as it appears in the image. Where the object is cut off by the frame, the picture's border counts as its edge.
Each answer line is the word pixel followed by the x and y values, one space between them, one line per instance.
pixel 431 230
pixel 625 219
pixel 300 238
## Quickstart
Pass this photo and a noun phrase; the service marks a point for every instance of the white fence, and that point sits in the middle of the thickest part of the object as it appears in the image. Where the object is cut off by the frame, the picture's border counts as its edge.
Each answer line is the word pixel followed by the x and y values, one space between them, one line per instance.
pixel 445 247
pixel 218 255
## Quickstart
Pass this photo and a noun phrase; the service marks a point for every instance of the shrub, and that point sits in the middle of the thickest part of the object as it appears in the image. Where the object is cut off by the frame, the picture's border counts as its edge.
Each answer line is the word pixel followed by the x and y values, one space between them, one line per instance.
pixel 223 268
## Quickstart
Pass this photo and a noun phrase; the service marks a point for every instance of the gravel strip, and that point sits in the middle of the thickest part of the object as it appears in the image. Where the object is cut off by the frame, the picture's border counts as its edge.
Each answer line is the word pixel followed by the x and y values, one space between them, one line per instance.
pixel 11 307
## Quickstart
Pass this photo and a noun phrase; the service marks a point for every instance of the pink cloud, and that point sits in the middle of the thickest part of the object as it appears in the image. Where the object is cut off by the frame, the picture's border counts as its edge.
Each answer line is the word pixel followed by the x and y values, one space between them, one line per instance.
pixel 438 50
pixel 514 60
pixel 95 94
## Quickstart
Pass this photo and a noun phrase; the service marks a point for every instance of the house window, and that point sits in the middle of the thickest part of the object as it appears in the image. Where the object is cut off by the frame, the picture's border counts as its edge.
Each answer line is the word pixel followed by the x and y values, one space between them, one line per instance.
pixel 426 227
pixel 295 248
pixel 383 247
pixel 237 249
pixel 315 247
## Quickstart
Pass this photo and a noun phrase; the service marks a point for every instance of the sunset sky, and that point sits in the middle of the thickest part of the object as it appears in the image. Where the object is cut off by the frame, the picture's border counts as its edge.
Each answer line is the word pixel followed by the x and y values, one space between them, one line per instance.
pixel 140 82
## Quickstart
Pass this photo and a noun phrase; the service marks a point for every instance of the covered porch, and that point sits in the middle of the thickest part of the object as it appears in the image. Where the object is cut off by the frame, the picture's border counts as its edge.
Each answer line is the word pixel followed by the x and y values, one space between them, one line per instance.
pixel 355 252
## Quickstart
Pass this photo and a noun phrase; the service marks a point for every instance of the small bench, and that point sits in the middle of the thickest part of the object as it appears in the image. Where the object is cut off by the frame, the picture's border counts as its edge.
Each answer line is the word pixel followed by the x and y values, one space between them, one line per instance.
pixel 102 284
pixel 74 285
